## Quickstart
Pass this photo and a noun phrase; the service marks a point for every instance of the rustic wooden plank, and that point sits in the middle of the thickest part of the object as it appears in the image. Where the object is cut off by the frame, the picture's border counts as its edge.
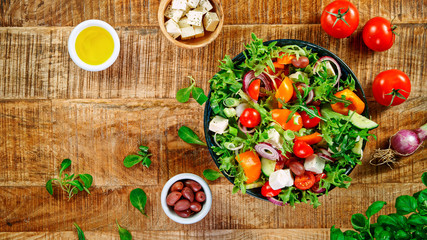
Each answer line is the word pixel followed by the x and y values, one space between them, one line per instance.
pixel 144 13
pixel 33 209
pixel 36 64
pixel 267 234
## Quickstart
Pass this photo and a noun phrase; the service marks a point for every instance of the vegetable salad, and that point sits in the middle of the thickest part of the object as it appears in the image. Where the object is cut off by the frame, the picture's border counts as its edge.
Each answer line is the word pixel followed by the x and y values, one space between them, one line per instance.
pixel 285 121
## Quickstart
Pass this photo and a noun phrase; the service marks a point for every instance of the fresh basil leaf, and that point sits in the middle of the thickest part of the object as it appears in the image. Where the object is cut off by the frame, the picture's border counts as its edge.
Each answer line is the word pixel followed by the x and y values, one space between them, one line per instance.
pixel 211 174
pixel 417 220
pixel 189 136
pixel 138 199
pixel 336 234
pixel 87 180
pixel 183 95
pixel 64 165
pixel 350 234
pixel 406 204
pixel 80 233
pixel 143 148
pixel 49 187
pixel 424 178
pixel 375 208
pixel 146 162
pixel 359 221
pixel 385 236
pixel 422 202
pixel 131 160
pixel 399 219
pixel 387 221
pixel 377 231
pixel 401 235
pixel 199 95
pixel 124 233
pixel 77 184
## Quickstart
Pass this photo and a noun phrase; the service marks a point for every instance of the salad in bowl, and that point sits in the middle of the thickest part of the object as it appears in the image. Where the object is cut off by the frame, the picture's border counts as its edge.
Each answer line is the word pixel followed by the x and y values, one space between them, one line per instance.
pixel 286 121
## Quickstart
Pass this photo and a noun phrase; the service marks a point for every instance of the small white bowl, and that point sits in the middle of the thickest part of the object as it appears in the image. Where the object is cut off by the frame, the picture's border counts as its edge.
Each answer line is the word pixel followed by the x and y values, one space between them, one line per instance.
pixel 72 45
pixel 206 207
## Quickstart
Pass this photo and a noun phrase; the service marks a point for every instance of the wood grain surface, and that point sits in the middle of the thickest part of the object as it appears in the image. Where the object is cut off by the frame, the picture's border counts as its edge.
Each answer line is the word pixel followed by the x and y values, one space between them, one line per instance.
pixel 51 110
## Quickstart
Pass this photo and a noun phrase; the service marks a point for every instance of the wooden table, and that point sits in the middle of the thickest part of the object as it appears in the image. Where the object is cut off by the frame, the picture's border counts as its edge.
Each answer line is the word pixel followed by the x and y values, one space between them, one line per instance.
pixel 50 110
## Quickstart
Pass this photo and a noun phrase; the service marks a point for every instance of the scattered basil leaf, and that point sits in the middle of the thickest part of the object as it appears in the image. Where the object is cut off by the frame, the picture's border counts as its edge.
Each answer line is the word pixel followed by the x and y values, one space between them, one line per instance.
pixel 406 204
pixel 189 136
pixel 87 180
pixel 77 184
pixel 375 208
pixel 211 174
pixel 183 95
pixel 138 199
pixel 80 233
pixel 199 95
pixel 64 165
pixel 143 148
pixel 49 187
pixel 132 160
pixel 124 233
pixel 146 162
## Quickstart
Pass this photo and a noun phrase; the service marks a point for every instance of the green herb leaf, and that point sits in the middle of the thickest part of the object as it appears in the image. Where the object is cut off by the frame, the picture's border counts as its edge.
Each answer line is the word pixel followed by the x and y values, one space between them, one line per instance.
pixel 124 233
pixel 138 199
pixel 87 180
pixel 424 178
pixel 80 233
pixel 183 95
pixel 77 184
pixel 211 174
pixel 402 235
pixel 49 187
pixel 146 162
pixel 417 220
pixel 359 221
pixel 199 95
pixel 406 204
pixel 336 233
pixel 64 165
pixel 375 208
pixel 387 221
pixel 189 136
pixel 132 160
pixel 143 148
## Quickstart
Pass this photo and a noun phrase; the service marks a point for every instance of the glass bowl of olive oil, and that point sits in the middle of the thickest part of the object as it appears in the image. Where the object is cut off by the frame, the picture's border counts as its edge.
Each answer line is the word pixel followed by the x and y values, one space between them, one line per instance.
pixel 93 45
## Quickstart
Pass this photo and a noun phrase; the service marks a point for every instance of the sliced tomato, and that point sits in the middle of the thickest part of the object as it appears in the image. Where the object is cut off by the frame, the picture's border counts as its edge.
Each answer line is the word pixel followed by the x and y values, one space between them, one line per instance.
pixel 305 181
pixel 285 91
pixel 320 176
pixel 253 89
pixel 267 191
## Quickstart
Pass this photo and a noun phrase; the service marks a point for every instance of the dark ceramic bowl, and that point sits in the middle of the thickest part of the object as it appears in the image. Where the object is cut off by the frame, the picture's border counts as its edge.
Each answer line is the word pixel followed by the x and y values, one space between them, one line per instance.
pixel 345 70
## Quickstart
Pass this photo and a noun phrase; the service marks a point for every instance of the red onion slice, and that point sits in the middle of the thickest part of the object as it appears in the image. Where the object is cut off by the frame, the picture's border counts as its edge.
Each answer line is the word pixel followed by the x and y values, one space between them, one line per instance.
pixel 276 202
pixel 316 188
pixel 310 94
pixel 326 152
pixel 244 129
pixel 266 150
pixel 326 157
pixel 327 58
pixel 250 76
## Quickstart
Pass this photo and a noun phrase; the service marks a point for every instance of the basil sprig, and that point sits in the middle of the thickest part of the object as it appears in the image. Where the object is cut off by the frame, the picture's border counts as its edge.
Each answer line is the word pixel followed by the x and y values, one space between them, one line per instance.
pixel 143 156
pixel 183 95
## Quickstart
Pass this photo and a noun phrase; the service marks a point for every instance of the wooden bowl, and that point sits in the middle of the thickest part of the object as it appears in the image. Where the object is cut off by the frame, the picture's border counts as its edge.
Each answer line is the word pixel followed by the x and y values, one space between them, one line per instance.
pixel 196 42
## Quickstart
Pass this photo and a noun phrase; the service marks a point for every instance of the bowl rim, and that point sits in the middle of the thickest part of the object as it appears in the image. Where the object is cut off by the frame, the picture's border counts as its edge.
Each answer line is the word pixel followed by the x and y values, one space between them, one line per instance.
pixel 282 42
pixel 196 217
pixel 182 44
pixel 72 45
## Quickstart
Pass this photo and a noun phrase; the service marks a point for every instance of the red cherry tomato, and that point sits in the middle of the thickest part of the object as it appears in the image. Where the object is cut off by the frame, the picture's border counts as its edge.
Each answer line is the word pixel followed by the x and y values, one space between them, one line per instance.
pixel 267 191
pixel 302 149
pixel 277 82
pixel 301 91
pixel 391 87
pixel 305 181
pixel 280 164
pixel 378 34
pixel 253 89
pixel 250 118
pixel 320 176
pixel 340 19
pixel 309 122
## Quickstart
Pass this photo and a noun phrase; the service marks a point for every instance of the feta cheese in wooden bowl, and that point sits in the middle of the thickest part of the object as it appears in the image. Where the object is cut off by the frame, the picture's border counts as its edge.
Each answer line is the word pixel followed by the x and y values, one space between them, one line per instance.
pixel 190 23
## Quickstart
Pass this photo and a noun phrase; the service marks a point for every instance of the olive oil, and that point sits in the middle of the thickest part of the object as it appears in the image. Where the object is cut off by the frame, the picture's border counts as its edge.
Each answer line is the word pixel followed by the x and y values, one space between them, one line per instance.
pixel 94 45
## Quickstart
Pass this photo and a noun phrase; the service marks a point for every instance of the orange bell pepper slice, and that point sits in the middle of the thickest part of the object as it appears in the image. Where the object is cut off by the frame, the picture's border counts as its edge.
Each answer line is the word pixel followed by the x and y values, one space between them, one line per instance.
pixel 357 104
pixel 285 91
pixel 281 115
pixel 251 165
pixel 285 58
pixel 311 139
pixel 276 67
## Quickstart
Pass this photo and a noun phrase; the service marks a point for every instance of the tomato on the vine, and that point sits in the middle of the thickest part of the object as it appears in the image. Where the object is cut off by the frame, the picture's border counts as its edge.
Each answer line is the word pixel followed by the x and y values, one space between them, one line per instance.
pixel 378 34
pixel 305 181
pixel 253 89
pixel 308 121
pixel 302 149
pixel 340 19
pixel 267 191
pixel 391 87
pixel 250 118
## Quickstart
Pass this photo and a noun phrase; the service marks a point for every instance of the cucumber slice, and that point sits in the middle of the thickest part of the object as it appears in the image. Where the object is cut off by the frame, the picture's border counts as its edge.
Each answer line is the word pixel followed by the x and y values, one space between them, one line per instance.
pixel 361 122
pixel 254 185
pixel 358 147
pixel 267 166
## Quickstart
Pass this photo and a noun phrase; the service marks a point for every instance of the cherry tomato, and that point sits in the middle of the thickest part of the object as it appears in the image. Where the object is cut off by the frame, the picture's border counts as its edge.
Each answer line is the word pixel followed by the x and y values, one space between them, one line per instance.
pixel 285 90
pixel 251 165
pixel 378 34
pixel 305 181
pixel 267 191
pixel 309 122
pixel 277 83
pixel 281 116
pixel 340 18
pixel 320 176
pixel 250 118
pixel 301 62
pixel 253 89
pixel 302 149
pixel 391 87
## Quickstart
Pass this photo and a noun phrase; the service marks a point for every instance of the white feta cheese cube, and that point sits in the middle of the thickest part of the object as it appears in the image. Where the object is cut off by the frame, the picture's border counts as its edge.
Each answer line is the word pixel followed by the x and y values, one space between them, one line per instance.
pixel 179 4
pixel 183 22
pixel 280 179
pixel 330 69
pixel 274 139
pixel 195 18
pixel 206 5
pixel 295 76
pixel 210 21
pixel 199 31
pixel 187 33
pixel 218 124
pixel 173 28
pixel 314 163
pixel 173 14
pixel 200 9
pixel 193 3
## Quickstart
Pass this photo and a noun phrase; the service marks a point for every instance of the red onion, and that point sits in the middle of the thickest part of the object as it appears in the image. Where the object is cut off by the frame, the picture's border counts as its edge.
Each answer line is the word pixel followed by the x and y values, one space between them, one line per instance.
pixel 326 152
pixel 316 188
pixel 326 157
pixel 266 150
pixel 250 76
pixel 310 94
pixel 327 58
pixel 244 129
pixel 276 202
